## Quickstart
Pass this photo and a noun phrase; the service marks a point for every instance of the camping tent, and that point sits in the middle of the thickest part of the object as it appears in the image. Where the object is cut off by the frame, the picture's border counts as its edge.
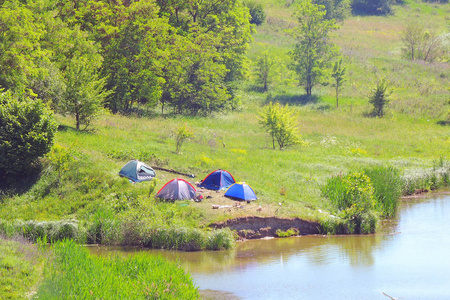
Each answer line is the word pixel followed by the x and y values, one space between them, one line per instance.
pixel 217 180
pixel 241 191
pixel 137 171
pixel 177 189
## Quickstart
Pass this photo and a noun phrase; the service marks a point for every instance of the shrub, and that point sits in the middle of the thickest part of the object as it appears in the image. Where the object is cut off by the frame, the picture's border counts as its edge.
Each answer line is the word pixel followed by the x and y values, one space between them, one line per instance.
pixel 256 12
pixel 353 197
pixel 280 123
pixel 26 133
pixel 182 133
pixel 287 233
pixel 372 7
pixel 379 98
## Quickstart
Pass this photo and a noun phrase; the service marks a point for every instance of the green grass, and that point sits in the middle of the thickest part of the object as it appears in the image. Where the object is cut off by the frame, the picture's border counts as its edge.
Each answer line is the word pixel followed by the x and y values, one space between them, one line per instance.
pixel 21 267
pixel 74 274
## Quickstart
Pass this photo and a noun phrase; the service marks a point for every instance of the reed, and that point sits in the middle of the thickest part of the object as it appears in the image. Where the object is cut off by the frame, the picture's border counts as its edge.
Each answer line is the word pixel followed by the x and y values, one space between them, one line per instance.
pixel 388 184
pixel 74 274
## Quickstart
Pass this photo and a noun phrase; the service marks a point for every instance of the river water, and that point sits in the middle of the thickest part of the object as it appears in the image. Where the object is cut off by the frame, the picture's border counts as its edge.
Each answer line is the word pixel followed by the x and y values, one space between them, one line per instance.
pixel 410 259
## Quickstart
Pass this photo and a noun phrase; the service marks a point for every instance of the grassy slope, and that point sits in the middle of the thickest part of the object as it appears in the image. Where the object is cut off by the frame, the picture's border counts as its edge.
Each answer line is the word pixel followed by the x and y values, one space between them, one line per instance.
pixel 337 140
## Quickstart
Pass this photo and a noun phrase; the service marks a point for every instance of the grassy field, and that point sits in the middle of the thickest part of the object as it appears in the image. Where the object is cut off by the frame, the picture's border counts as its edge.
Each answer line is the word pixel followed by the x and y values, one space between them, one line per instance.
pixel 335 141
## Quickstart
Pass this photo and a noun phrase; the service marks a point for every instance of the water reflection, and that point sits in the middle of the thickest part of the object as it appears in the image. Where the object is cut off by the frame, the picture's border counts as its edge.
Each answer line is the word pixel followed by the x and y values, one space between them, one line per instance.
pixel 409 259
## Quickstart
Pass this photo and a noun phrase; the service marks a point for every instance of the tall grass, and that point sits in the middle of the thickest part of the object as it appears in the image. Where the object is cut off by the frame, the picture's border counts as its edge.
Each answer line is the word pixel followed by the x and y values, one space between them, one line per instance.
pixel 387 183
pixel 74 274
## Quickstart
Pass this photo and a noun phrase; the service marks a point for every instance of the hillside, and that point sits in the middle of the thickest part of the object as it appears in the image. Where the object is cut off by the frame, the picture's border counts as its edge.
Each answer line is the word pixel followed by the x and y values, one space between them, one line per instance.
pixel 287 183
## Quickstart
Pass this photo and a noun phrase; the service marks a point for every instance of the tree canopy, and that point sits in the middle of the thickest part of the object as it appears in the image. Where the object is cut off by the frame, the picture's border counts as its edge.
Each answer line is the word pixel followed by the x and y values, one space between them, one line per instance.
pixel 179 54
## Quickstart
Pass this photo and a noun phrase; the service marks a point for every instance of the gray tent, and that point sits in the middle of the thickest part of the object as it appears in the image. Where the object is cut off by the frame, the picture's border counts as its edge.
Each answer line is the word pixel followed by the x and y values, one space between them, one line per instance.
pixel 137 171
pixel 177 189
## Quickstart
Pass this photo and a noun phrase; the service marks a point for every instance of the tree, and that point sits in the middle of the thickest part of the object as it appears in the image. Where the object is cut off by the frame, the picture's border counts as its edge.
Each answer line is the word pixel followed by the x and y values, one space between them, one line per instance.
pixel 264 63
pixel 19 46
pixel 256 12
pixel 336 9
pixel 280 123
pixel 379 98
pixel 27 130
pixel 313 49
pixel 372 7
pixel 84 94
pixel 338 75
pixel 412 40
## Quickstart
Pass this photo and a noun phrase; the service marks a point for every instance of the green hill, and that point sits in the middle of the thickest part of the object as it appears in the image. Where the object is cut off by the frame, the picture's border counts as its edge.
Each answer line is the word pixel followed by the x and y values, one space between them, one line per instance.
pixel 288 183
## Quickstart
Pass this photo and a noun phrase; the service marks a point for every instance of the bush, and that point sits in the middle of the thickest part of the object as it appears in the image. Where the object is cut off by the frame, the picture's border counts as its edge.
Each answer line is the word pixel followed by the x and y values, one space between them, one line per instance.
pixel 26 133
pixel 372 7
pixel 256 12
pixel 353 197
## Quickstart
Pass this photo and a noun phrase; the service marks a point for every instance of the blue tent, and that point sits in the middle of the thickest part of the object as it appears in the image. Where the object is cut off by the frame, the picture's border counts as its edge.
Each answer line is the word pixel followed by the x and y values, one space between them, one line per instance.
pixel 241 191
pixel 217 180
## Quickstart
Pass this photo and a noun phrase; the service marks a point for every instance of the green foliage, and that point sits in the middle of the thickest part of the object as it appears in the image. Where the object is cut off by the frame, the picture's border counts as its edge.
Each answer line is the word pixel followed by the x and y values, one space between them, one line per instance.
pixel 388 184
pixel 182 134
pixel 422 44
pixel 353 197
pixel 19 46
pixel 372 7
pixel 336 9
pixel 74 274
pixel 27 129
pixel 379 98
pixel 60 159
pixel 287 233
pixel 313 49
pixel 84 94
pixel 280 123
pixel 264 67
pixel 256 12
pixel 338 75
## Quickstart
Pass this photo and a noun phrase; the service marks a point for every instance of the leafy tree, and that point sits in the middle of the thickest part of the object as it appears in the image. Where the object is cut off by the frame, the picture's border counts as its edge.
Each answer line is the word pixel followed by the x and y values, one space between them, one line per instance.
pixel 27 129
pixel 419 43
pixel 264 63
pixel 339 76
pixel 256 12
pixel 379 98
pixel 313 49
pixel 227 20
pixel 372 7
pixel 280 123
pixel 19 46
pixel 335 9
pixel 412 40
pixel 84 94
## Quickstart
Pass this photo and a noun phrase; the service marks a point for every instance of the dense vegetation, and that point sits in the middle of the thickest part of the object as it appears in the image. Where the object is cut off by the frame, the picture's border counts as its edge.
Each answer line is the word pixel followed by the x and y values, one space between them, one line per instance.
pixel 184 87
pixel 75 274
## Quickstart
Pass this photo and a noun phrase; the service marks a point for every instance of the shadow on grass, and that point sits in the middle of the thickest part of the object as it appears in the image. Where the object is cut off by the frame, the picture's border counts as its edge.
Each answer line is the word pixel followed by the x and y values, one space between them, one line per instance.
pixel 18 185
pixel 443 123
pixel 294 99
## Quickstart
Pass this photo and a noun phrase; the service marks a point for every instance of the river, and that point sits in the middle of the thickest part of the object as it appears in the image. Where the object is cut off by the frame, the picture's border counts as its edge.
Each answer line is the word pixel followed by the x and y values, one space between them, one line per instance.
pixel 410 259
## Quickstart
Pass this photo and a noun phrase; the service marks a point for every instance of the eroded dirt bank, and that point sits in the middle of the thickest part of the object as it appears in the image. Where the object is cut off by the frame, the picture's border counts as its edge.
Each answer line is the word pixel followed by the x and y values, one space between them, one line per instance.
pixel 253 227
